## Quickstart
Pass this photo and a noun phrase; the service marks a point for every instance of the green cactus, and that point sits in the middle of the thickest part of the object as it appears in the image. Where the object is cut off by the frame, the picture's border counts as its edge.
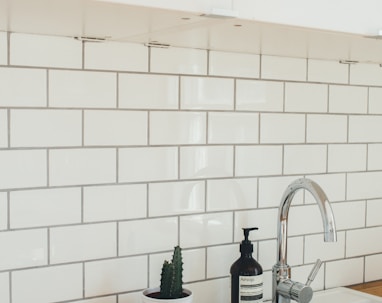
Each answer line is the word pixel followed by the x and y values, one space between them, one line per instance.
pixel 171 286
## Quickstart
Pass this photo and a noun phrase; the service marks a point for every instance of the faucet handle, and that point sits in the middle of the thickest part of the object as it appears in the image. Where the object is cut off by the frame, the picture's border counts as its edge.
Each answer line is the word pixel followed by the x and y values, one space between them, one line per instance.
pixel 295 290
pixel 314 272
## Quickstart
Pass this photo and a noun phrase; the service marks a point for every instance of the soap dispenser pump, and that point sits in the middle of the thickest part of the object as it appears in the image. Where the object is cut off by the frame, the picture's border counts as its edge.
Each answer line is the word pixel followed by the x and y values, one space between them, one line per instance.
pixel 246 274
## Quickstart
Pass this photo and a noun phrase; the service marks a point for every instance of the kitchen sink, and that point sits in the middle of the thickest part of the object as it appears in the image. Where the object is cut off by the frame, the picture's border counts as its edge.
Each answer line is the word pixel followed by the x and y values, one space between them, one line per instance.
pixel 344 295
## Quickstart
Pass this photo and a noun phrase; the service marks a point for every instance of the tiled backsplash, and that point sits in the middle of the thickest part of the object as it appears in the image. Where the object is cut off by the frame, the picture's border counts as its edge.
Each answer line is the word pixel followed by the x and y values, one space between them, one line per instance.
pixel 113 153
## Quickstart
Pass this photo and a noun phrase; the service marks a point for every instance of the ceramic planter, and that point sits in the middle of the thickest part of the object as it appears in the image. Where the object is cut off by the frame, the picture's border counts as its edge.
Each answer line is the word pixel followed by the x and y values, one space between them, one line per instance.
pixel 147 299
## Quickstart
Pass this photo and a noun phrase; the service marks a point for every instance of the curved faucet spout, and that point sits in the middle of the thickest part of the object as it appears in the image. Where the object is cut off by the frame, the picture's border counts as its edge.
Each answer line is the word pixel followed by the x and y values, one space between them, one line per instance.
pixel 284 289
pixel 330 234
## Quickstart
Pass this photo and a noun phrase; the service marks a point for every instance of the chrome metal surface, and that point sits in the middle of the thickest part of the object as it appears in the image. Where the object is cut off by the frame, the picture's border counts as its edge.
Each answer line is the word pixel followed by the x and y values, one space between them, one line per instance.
pixel 284 289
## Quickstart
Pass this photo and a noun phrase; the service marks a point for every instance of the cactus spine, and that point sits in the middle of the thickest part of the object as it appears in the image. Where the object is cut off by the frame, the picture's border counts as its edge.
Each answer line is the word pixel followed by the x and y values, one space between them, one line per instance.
pixel 171 286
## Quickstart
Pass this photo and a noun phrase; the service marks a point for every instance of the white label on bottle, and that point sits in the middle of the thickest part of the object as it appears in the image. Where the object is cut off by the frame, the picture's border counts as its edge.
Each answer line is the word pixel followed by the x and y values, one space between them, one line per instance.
pixel 251 289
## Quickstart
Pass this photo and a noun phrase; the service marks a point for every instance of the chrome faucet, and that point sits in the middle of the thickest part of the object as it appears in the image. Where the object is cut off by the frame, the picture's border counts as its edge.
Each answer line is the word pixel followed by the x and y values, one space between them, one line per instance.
pixel 284 289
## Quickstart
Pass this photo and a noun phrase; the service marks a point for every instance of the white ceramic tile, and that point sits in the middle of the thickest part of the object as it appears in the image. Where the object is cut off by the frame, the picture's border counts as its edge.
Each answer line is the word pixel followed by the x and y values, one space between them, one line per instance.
pixel 347 157
pixel 327 71
pixel 264 219
pixel 205 229
pixel 46 284
pixel 204 291
pixel 177 128
pixel 375 100
pixel 31 87
pixel 233 127
pixel 258 160
pixel 234 64
pixel 300 159
pixel 3 211
pixel 116 56
pixel 373 213
pixel 349 215
pixel 334 186
pixel 366 74
pixel 92 241
pixel 363 241
pixel 206 93
pixel 115 275
pixel 373 268
pixel 344 272
pixel 24 248
pixel 145 91
pixel 271 190
pixel 365 129
pixel 37 128
pixel 304 219
pixel 267 285
pixel 282 128
pixel 115 202
pixel 194 267
pixel 259 95
pixel 109 299
pixel 295 250
pixel 316 248
pixel 176 198
pixel 23 168
pixel 49 51
pixel 374 160
pixel 220 266
pixel 147 164
pixel 347 99
pixel 176 60
pixel 206 162
pixel 3 48
pixel 326 128
pixel 4 288
pixel 364 185
pixel 131 297
pixel 82 166
pixel 144 236
pixel 82 89
pixel 267 254
pixel 3 128
pixel 306 97
pixel 230 194
pixel 283 68
pixel 115 127
pixel 45 207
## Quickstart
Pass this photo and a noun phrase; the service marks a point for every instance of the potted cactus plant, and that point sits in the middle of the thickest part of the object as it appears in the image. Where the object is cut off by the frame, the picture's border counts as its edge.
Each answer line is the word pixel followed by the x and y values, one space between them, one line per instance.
pixel 171 285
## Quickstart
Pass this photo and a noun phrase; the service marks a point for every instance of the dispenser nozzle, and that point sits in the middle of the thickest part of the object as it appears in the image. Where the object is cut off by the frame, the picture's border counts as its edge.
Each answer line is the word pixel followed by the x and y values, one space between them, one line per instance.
pixel 246 232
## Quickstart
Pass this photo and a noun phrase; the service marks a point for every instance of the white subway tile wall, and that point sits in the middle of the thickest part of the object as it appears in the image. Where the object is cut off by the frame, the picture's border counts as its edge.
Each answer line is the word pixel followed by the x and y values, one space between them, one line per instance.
pixel 113 153
pixel 3 128
pixel 45 51
pixel 3 48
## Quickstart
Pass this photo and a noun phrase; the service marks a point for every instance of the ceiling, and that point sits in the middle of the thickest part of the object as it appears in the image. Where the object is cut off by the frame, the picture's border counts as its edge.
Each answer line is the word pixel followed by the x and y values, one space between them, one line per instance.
pixel 121 22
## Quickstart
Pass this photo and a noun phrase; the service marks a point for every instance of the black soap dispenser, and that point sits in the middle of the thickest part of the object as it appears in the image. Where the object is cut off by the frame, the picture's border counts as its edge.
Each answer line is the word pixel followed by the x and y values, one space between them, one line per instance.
pixel 246 274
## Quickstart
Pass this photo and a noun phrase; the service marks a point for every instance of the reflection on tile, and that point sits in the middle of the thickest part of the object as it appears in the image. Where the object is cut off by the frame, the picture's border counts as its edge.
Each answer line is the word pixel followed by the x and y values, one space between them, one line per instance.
pixel 233 128
pixel 191 128
pixel 48 286
pixel 259 95
pixel 26 248
pixel 206 93
pixel 234 64
pixel 202 162
pixel 161 91
pixel 143 236
pixel 208 229
pixel 176 198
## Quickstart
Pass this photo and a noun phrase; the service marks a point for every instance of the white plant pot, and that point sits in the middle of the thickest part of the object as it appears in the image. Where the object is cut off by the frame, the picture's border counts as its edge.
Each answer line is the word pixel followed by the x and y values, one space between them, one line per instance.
pixel 147 299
